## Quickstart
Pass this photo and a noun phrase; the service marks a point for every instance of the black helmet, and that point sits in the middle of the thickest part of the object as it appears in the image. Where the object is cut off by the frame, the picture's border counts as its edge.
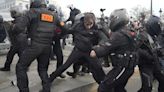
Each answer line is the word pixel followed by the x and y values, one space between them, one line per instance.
pixel 153 25
pixel 1 19
pixel 79 16
pixel 52 7
pixel 118 18
pixel 37 3
pixel 15 12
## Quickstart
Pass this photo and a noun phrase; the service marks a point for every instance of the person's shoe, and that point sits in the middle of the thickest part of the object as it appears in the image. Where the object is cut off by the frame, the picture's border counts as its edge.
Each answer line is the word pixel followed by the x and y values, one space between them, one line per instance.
pixel 4 69
pixel 62 76
pixel 53 58
pixel 81 73
pixel 71 74
pixel 106 65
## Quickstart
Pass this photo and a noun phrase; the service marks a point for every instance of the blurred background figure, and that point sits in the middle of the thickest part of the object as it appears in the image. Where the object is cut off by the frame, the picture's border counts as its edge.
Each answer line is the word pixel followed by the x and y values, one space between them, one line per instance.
pixel 2 30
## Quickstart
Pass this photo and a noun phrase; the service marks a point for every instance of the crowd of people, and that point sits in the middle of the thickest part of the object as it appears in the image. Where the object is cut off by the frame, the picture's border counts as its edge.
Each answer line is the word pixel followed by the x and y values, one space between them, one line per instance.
pixel 36 34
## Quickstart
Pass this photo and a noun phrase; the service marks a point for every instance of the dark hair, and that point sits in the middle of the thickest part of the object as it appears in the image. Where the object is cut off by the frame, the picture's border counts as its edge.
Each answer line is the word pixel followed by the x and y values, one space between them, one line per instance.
pixel 89 15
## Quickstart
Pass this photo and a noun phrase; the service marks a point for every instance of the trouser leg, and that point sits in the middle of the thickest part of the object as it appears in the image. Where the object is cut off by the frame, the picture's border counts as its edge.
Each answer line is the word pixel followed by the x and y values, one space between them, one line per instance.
pixel 59 53
pixel 71 59
pixel 76 67
pixel 95 68
pixel 24 62
pixel 146 74
pixel 109 83
pixel 159 75
pixel 43 62
pixel 122 81
pixel 10 56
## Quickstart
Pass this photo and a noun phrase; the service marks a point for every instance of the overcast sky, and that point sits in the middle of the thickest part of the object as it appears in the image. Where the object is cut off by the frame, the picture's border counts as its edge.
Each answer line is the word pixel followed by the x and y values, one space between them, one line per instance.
pixel 95 5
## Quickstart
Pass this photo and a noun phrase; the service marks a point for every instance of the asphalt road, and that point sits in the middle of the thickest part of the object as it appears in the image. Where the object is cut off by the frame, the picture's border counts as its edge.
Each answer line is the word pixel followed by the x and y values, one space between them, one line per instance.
pixel 59 85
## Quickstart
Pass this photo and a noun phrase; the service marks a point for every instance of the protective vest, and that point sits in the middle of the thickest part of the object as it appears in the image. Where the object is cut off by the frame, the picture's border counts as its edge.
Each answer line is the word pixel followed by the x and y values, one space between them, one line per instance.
pixel 125 56
pixel 42 28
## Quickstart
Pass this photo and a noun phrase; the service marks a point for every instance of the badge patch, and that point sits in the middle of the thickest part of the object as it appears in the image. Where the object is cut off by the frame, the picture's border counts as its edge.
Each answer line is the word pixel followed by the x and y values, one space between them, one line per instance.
pixel 47 18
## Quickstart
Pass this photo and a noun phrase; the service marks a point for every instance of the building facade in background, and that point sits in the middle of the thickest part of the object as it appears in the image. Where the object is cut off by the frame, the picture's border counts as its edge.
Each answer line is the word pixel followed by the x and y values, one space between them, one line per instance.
pixel 6 5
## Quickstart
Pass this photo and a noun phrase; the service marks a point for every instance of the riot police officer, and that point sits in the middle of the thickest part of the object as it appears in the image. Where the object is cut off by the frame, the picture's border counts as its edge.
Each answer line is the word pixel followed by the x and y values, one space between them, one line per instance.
pixel 121 51
pixel 149 64
pixel 17 41
pixel 161 43
pixel 40 24
pixel 2 30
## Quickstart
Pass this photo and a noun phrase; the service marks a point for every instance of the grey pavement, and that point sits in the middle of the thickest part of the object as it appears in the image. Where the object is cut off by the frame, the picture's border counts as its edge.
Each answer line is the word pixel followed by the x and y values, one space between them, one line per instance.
pixel 80 84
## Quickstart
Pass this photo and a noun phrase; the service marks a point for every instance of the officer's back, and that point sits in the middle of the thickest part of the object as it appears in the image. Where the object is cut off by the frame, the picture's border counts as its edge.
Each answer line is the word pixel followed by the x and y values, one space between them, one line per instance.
pixel 41 29
pixel 40 24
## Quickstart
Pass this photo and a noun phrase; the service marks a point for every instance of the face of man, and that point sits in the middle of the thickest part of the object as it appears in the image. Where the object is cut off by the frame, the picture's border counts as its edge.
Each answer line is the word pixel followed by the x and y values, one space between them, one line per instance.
pixel 136 25
pixel 88 23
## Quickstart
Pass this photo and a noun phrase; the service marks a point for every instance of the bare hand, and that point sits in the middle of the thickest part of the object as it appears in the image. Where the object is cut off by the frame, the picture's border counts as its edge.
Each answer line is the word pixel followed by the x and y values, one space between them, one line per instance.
pixel 93 53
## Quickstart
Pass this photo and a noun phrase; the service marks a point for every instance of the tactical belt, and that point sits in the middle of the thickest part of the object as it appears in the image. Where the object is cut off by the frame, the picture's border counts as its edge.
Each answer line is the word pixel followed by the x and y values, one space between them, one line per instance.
pixel 121 55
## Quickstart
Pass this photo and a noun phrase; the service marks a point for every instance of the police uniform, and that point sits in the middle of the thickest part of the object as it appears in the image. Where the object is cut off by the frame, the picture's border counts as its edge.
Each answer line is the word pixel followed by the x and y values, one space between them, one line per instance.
pixel 40 24
pixel 17 41
pixel 121 48
pixel 149 63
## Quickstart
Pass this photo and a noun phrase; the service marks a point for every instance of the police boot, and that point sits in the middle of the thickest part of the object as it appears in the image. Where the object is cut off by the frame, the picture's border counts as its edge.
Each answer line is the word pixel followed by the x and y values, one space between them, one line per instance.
pixel 5 69
pixel 71 74
pixel 85 69
pixel 106 64
pixel 81 73
pixel 62 76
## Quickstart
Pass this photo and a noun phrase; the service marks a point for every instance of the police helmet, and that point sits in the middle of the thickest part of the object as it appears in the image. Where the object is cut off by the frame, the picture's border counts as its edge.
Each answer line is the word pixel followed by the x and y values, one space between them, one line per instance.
pixel 1 19
pixel 52 7
pixel 118 18
pixel 38 3
pixel 153 25
pixel 79 17
pixel 15 12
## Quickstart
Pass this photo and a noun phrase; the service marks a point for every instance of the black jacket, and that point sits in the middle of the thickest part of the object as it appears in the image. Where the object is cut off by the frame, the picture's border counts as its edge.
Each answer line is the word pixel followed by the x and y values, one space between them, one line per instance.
pixel 119 42
pixel 120 47
pixel 146 51
pixel 2 33
pixel 85 39
pixel 15 38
